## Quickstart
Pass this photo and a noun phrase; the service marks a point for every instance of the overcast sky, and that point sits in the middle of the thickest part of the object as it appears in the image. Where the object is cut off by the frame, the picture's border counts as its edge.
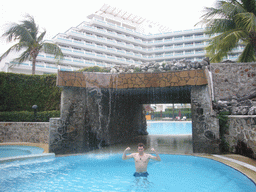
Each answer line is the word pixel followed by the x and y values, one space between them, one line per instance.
pixel 58 16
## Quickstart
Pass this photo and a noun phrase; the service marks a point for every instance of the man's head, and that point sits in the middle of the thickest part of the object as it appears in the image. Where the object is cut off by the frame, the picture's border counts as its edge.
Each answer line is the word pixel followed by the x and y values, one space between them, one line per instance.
pixel 140 147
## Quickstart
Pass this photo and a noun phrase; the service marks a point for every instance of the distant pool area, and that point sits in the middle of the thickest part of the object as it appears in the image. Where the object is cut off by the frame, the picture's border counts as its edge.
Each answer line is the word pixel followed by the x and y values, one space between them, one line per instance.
pixel 169 127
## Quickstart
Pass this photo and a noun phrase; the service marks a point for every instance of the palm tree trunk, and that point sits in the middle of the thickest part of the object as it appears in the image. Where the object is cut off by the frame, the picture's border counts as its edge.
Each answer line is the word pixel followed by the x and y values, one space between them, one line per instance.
pixel 33 54
pixel 33 66
pixel 252 36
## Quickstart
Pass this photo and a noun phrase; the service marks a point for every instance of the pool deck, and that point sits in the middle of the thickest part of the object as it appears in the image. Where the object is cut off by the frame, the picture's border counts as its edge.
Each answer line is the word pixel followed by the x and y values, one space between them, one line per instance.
pixel 241 163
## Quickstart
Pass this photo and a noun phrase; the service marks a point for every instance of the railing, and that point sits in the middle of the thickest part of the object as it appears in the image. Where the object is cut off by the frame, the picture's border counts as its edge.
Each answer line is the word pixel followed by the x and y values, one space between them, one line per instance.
pixel 140 40
pixel 69 60
pixel 45 66
pixel 194 52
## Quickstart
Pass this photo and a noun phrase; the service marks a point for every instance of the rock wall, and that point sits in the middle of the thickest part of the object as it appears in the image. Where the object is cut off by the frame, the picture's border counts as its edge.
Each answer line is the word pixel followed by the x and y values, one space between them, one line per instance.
pixel 67 133
pixel 205 127
pixel 233 79
pixel 242 129
pixel 234 87
pixel 33 132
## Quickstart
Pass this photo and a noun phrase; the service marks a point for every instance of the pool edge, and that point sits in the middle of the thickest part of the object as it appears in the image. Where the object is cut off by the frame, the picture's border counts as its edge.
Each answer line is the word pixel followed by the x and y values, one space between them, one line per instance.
pixel 251 174
pixel 25 157
pixel 41 145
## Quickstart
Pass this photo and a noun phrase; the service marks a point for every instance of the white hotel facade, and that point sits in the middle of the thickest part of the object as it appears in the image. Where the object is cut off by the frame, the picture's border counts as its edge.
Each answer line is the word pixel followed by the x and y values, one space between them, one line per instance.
pixel 114 37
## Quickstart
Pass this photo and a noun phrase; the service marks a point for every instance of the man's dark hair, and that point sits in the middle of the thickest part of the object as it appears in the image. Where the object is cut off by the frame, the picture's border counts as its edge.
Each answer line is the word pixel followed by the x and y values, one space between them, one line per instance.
pixel 141 145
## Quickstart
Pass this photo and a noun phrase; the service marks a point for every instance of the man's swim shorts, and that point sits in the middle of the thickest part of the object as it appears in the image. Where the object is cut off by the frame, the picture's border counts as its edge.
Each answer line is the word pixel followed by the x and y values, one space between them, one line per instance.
pixel 142 174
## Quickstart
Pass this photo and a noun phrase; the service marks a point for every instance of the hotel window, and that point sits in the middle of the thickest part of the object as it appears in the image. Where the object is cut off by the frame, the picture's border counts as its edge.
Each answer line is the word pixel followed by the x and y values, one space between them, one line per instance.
pixel 188 44
pixel 199 35
pixel 178 45
pixel 188 36
pixel 178 38
pixel 178 53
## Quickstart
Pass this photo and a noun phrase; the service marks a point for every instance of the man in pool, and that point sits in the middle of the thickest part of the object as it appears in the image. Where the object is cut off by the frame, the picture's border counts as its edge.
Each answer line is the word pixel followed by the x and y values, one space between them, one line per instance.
pixel 141 159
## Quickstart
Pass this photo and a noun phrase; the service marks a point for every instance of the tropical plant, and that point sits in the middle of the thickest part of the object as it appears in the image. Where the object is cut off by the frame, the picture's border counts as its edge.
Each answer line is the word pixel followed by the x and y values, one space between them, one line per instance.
pixel 231 23
pixel 94 69
pixel 29 42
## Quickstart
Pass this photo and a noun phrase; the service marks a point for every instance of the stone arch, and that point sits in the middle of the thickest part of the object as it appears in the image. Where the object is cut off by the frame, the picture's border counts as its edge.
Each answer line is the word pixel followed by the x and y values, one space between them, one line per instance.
pixel 102 109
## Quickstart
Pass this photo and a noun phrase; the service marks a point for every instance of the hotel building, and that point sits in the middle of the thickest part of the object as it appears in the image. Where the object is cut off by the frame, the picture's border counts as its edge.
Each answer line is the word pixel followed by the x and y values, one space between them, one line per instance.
pixel 114 37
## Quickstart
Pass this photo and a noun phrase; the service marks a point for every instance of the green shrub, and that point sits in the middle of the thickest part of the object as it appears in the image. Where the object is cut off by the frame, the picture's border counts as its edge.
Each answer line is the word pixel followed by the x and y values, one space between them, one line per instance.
pixel 94 69
pixel 170 113
pixel 28 116
pixel 19 92
pixel 137 70
pixel 223 124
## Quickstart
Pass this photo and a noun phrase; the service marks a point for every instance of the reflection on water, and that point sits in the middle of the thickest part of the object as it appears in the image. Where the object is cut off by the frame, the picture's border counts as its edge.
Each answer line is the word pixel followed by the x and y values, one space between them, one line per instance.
pixel 141 184
pixel 164 144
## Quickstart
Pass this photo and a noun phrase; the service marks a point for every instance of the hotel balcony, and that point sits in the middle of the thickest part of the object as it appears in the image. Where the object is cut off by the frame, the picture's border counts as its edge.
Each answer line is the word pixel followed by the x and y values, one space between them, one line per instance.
pixel 123 53
pixel 110 26
pixel 41 68
pixel 140 42
pixel 97 48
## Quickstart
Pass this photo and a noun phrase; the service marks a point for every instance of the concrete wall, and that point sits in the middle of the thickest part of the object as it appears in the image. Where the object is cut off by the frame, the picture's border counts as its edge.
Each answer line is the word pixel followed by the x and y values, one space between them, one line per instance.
pixel 34 132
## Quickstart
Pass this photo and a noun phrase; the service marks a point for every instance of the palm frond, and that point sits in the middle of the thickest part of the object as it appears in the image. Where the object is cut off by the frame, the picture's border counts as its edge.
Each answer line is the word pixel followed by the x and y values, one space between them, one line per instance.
pixel 30 25
pixel 249 5
pixel 225 10
pixel 248 54
pixel 17 47
pixel 53 49
pixel 219 26
pixel 17 32
pixel 246 21
pixel 234 21
pixel 41 37
pixel 221 45
pixel 23 57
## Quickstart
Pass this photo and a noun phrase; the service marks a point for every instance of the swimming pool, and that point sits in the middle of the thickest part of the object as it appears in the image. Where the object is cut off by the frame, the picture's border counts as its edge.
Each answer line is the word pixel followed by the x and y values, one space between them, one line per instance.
pixel 18 150
pixel 169 128
pixel 108 172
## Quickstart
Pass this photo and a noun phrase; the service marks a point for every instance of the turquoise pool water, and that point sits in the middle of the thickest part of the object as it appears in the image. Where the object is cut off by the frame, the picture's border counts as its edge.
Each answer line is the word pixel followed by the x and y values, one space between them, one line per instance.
pixel 169 128
pixel 177 173
pixel 18 150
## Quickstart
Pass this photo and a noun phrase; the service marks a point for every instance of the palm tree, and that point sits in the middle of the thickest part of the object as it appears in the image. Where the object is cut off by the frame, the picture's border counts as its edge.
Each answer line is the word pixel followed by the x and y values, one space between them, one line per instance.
pixel 30 41
pixel 232 22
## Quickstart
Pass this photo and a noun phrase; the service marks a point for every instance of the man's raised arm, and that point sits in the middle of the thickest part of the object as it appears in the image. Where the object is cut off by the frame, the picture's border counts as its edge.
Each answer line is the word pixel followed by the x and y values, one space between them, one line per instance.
pixel 157 157
pixel 124 157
